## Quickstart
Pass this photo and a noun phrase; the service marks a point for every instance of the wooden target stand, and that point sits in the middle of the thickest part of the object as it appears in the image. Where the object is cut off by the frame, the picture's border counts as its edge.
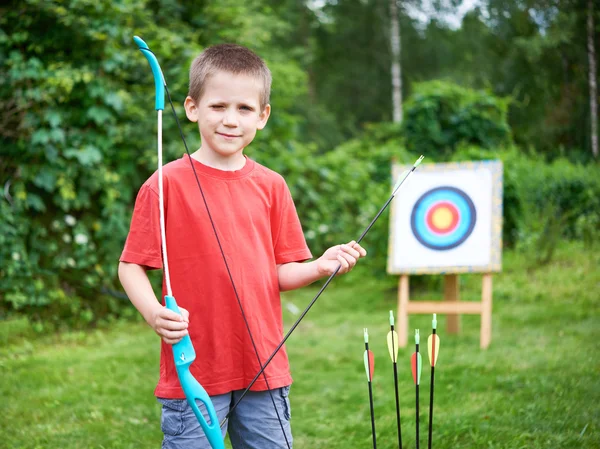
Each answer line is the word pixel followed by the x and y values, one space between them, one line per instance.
pixel 451 306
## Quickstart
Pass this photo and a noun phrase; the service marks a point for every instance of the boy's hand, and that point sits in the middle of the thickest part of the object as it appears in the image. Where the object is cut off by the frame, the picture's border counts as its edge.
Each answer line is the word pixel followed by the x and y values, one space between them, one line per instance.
pixel 170 326
pixel 345 255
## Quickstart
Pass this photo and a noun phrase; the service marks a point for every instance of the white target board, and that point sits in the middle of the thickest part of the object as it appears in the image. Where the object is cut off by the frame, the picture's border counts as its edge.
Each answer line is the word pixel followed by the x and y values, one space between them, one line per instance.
pixel 447 219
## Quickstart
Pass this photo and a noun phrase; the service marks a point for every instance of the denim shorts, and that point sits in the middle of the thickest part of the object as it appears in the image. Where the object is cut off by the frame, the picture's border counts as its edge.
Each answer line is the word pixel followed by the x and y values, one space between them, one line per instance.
pixel 252 425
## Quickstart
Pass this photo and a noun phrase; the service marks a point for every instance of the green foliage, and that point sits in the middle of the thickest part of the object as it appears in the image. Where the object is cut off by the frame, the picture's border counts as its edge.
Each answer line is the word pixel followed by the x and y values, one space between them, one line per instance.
pixel 78 136
pixel 440 116
pixel 533 51
pixel 544 202
pixel 337 194
pixel 77 130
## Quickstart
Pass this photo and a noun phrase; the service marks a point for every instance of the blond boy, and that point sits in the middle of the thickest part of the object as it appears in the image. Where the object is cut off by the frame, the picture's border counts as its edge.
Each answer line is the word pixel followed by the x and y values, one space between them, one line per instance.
pixel 261 237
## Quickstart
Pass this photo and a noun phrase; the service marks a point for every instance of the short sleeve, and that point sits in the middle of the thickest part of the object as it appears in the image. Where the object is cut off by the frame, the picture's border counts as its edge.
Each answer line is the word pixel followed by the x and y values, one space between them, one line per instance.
pixel 288 239
pixel 143 246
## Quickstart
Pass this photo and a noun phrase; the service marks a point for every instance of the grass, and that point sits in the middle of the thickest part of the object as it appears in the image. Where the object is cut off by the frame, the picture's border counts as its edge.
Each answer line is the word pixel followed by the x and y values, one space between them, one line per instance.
pixel 537 386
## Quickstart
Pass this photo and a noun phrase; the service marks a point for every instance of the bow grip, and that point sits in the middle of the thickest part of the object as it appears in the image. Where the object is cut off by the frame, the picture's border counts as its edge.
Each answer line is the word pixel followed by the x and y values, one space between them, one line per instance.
pixel 184 354
pixel 183 351
pixel 159 80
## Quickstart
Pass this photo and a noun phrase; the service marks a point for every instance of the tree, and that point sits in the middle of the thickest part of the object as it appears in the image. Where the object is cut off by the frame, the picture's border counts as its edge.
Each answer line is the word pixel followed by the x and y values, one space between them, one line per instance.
pixel 396 64
pixel 592 78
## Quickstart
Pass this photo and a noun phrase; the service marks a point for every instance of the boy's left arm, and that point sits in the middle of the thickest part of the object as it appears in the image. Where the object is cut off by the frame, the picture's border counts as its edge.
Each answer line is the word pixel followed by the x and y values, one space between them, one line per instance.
pixel 294 275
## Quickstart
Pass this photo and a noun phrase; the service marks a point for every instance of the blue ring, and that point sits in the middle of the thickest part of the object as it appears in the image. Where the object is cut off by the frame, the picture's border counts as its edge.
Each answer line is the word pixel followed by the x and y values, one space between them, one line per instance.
pixel 467 220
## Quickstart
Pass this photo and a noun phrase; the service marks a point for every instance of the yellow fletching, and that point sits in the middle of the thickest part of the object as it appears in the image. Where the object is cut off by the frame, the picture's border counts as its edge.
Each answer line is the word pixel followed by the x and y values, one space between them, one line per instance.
pixel 392 341
pixel 433 348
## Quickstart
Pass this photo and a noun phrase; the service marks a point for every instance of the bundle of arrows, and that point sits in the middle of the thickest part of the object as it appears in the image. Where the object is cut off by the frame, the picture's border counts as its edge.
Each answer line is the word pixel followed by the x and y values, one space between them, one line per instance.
pixel 433 348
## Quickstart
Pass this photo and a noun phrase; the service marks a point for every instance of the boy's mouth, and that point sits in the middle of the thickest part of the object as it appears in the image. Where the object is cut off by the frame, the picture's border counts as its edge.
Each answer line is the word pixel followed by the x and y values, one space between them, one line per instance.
pixel 228 136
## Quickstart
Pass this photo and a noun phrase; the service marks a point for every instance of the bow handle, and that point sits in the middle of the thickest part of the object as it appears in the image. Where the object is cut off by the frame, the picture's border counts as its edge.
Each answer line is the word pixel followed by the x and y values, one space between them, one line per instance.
pixel 184 354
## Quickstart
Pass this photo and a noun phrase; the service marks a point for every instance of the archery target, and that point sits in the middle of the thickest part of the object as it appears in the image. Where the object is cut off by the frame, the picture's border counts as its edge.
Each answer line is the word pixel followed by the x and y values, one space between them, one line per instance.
pixel 447 218
pixel 443 218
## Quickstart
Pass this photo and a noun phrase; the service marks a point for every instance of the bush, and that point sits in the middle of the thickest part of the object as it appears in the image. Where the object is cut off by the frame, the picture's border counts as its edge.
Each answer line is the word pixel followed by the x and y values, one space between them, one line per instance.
pixel 338 193
pixel 440 116
pixel 78 138
pixel 544 202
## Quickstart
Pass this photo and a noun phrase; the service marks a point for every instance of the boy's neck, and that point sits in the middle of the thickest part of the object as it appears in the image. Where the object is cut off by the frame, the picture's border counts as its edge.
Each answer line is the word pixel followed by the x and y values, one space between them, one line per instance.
pixel 233 163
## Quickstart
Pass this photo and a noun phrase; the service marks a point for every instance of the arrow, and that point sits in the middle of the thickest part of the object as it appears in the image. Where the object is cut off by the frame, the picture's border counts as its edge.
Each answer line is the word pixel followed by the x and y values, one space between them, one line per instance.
pixel 416 372
pixel 399 183
pixel 433 348
pixel 369 360
pixel 392 342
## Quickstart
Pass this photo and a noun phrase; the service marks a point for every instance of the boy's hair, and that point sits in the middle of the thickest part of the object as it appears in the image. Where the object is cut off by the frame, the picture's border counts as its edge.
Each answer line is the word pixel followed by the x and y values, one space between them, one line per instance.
pixel 231 58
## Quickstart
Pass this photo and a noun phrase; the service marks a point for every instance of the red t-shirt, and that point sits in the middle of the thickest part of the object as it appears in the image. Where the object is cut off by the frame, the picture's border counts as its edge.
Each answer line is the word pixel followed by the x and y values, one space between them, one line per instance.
pixel 259 228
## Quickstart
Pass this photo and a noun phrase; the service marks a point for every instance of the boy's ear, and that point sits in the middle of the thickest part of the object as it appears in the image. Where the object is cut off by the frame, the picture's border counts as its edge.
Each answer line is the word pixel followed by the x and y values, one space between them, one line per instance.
pixel 191 110
pixel 264 117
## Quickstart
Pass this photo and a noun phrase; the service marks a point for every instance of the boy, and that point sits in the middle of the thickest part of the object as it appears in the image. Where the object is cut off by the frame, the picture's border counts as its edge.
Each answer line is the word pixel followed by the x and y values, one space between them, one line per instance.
pixel 264 247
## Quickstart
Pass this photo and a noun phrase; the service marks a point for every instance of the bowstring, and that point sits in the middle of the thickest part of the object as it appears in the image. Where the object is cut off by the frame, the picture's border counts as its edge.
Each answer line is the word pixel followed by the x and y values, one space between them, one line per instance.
pixel 226 265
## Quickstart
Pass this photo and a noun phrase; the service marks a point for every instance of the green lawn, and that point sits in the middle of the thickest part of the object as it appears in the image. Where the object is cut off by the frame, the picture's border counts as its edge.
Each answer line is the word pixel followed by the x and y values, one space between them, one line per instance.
pixel 537 386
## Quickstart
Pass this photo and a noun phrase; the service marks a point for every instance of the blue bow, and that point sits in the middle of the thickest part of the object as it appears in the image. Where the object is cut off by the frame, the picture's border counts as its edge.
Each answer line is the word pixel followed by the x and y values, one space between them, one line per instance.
pixel 183 351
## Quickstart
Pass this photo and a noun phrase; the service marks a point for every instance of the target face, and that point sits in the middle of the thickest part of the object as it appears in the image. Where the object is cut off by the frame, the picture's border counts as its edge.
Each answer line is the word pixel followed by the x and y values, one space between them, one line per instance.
pixel 448 219
pixel 443 218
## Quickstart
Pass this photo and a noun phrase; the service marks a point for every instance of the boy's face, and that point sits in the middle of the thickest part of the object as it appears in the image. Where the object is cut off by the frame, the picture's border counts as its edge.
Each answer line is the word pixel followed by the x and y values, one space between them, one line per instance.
pixel 228 114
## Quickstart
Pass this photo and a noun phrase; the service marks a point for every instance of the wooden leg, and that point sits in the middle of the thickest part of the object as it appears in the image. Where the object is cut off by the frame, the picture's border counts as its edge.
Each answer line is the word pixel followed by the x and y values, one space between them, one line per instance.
pixel 451 293
pixel 402 327
pixel 486 311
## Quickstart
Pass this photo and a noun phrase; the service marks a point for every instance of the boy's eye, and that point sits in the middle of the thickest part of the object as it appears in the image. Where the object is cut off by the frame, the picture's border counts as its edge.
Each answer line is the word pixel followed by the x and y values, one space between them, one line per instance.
pixel 217 106
pixel 246 108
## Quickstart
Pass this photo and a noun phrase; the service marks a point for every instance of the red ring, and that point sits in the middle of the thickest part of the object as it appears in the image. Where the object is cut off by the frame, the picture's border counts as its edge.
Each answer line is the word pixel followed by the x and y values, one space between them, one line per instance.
pixel 453 224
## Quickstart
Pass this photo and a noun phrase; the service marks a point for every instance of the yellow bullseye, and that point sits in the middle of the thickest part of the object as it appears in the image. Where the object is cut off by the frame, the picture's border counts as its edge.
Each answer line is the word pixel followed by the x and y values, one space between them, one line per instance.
pixel 442 218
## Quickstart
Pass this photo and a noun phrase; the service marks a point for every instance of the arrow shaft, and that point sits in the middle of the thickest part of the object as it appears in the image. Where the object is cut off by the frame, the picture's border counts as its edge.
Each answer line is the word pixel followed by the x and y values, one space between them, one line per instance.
pixel 417 414
pixel 384 207
pixel 434 340
pixel 372 416
pixel 417 400
pixel 321 290
pixel 431 407
pixel 369 382
pixel 395 365
pixel 397 406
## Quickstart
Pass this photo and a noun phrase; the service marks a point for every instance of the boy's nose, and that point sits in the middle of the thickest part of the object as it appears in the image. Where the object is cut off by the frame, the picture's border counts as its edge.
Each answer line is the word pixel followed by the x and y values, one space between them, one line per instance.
pixel 230 118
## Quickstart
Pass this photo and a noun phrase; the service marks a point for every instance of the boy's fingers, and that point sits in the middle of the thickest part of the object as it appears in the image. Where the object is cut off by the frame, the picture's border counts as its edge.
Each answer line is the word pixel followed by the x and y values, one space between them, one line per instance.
pixel 351 251
pixel 357 247
pixel 350 258
pixel 168 324
pixel 185 314
pixel 343 262
pixel 173 335
pixel 168 314
pixel 170 341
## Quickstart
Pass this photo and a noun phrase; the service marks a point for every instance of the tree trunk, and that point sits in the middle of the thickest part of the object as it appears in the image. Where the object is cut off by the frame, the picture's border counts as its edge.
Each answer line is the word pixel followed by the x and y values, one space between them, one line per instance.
pixel 592 78
pixel 396 66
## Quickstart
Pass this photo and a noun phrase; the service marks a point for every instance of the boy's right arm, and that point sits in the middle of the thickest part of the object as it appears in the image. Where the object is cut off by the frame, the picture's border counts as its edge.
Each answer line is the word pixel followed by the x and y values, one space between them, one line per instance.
pixel 170 326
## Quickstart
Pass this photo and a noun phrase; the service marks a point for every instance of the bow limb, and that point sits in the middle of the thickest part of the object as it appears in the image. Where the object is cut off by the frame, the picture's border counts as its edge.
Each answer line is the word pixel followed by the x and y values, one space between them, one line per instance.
pixel 183 351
